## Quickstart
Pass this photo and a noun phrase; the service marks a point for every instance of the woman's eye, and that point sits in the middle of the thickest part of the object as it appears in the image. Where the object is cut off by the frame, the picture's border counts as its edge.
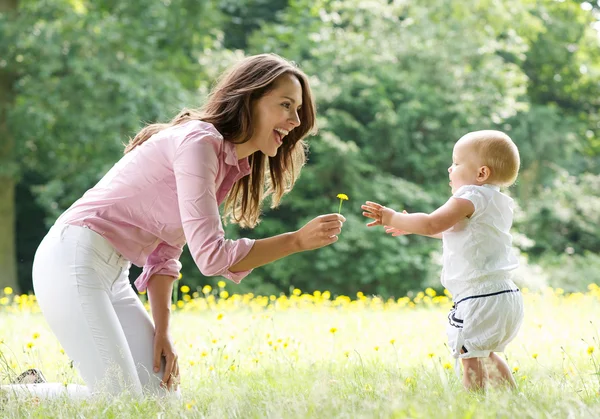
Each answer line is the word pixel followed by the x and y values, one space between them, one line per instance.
pixel 286 105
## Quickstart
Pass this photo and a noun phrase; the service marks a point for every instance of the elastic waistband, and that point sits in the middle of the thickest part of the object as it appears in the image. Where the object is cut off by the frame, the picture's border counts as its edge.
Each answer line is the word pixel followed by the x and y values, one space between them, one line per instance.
pixel 89 237
pixel 491 294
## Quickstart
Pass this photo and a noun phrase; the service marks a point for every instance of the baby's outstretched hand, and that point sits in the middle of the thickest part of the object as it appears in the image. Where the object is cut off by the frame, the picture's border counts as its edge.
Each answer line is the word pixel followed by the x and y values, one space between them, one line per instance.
pixel 395 232
pixel 376 212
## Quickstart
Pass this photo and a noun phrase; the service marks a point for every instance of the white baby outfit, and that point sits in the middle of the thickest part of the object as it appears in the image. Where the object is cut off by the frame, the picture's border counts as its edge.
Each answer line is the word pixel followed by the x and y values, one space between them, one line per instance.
pixel 477 260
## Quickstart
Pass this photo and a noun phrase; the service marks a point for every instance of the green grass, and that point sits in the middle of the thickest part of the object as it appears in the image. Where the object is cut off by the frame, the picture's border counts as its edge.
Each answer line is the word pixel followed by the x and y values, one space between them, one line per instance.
pixel 289 364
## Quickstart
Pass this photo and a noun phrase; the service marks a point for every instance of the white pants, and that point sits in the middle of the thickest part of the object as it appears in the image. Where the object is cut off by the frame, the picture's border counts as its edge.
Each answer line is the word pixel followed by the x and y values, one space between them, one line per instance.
pixel 82 286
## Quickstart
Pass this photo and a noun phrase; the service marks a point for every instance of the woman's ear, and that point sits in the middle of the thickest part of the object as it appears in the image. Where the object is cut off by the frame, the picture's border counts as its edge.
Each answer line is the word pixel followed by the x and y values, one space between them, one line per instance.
pixel 483 174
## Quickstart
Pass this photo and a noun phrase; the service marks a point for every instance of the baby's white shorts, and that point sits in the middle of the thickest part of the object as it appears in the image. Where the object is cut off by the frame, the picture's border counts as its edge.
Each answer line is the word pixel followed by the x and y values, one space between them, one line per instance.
pixel 484 319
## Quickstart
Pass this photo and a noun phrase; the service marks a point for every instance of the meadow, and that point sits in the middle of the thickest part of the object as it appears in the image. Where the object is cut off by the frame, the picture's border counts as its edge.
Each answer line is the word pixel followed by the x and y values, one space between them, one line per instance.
pixel 316 356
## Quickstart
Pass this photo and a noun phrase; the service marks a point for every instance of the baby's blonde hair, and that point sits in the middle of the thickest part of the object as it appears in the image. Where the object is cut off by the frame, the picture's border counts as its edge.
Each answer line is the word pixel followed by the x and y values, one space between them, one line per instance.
pixel 498 152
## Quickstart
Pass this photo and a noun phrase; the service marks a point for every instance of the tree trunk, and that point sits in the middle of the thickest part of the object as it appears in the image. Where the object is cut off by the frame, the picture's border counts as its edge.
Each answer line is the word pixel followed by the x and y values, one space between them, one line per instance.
pixel 8 175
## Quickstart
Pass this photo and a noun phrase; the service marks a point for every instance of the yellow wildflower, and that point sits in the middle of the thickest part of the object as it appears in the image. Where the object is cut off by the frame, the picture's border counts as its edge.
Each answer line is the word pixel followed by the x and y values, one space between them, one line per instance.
pixel 590 350
pixel 342 197
pixel 8 290
pixel 206 289
pixel 36 335
pixel 221 284
pixel 333 330
pixel 534 356
pixel 185 289
pixel 447 366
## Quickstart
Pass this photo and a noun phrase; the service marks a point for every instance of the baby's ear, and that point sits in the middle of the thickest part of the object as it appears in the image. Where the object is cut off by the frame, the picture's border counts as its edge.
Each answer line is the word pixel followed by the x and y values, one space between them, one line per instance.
pixel 484 173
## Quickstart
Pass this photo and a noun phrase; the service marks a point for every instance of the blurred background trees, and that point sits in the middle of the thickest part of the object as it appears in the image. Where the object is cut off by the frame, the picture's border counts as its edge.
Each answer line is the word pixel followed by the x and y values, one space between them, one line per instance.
pixel 396 82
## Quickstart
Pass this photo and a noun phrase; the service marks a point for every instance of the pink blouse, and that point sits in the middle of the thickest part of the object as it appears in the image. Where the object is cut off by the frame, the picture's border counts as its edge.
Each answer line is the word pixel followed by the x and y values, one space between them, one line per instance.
pixel 163 193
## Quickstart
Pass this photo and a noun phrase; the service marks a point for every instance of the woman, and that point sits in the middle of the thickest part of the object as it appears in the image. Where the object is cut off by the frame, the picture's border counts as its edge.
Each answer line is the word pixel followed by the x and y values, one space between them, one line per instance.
pixel 244 144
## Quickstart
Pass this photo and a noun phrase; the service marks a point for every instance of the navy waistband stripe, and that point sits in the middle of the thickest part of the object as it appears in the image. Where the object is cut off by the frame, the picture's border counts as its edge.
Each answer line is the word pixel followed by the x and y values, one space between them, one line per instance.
pixel 485 295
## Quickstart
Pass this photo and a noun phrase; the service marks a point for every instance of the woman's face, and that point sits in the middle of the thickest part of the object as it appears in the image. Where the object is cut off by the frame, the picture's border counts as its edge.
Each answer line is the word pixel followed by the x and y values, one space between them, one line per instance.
pixel 276 114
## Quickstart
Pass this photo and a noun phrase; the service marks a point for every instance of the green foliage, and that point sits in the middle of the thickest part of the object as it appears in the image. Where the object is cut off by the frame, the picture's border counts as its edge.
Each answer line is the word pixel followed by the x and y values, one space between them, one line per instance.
pixel 565 217
pixel 397 83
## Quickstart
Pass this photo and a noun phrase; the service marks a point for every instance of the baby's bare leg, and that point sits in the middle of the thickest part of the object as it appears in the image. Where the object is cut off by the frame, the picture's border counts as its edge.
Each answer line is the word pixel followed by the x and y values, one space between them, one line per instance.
pixel 475 375
pixel 499 371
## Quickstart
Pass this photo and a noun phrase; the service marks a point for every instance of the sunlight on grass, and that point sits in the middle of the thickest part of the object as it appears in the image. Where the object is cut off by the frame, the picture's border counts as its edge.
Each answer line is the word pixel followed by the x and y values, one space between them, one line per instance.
pixel 311 355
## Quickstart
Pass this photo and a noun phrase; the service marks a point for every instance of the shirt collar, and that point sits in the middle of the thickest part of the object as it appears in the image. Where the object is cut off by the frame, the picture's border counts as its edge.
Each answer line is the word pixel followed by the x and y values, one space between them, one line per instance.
pixel 232 160
pixel 494 187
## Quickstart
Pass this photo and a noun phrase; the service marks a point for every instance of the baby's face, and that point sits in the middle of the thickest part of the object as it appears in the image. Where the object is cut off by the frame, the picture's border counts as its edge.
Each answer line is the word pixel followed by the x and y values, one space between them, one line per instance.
pixel 465 165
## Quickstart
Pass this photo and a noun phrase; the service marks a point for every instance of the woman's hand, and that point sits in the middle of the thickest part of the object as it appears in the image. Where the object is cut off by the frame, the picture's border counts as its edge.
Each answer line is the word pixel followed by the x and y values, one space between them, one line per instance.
pixel 163 347
pixel 320 231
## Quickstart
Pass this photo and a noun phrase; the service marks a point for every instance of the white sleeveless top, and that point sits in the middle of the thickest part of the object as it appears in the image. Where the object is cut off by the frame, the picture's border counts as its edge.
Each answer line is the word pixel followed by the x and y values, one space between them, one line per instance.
pixel 480 247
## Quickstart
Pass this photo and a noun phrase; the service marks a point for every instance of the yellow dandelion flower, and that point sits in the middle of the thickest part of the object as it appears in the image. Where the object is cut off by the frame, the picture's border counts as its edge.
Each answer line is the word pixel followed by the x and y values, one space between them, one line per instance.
pixel 590 350
pixel 180 275
pixel 430 354
pixel 516 369
pixel 447 366
pixel 224 295
pixel 333 330
pixel 376 348
pixel 285 344
pixel 206 289
pixel 204 354
pixel 8 290
pixel 232 368
pixel 36 335
pixel 297 291
pixel 29 345
pixel 220 316
pixel 225 357
pixel 409 380
pixel 342 197
pixel 211 368
pixel 534 356
pixel 189 406
pixel 192 363
pixel 392 341
pixel 347 354
pixel 185 289
pixel 221 284
pixel 214 341
pixel 368 387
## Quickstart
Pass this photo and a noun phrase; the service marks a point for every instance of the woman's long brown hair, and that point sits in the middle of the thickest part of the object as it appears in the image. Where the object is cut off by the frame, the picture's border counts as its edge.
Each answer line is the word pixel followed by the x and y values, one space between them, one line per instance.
pixel 229 110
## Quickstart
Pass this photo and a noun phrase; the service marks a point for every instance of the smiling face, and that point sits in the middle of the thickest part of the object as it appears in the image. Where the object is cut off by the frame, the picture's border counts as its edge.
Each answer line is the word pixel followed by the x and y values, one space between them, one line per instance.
pixel 466 168
pixel 275 114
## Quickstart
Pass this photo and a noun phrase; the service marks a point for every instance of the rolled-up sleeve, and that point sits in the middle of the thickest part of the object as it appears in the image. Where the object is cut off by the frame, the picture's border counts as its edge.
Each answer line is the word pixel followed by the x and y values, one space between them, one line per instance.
pixel 164 260
pixel 196 165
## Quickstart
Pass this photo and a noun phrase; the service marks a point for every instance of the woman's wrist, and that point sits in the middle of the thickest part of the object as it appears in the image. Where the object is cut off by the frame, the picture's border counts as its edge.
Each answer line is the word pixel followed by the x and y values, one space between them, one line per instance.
pixel 295 241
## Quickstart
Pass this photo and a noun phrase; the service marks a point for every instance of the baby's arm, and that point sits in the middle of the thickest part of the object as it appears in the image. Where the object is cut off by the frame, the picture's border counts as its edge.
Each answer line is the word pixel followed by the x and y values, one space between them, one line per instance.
pixel 453 211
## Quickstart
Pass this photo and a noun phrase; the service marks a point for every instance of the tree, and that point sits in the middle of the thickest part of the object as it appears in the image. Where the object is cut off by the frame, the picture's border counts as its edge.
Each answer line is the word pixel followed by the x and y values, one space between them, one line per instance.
pixel 85 76
pixel 8 164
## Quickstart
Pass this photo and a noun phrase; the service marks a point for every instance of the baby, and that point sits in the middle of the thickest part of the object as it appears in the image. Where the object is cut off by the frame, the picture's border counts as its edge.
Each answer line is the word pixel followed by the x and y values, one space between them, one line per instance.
pixel 474 225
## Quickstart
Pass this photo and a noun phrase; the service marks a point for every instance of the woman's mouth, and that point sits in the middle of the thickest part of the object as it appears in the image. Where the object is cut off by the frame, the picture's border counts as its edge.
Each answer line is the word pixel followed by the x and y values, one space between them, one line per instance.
pixel 279 133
